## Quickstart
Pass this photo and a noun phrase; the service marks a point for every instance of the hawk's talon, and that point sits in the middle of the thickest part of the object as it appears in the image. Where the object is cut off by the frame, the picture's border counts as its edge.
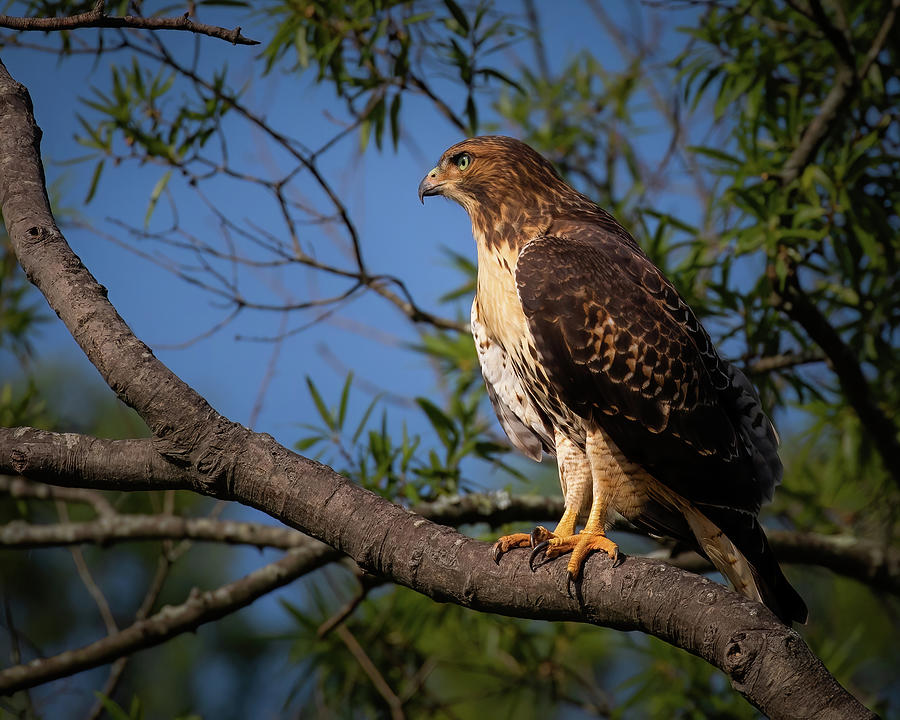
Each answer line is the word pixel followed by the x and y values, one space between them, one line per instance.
pixel 538 549
pixel 540 535
pixel 507 543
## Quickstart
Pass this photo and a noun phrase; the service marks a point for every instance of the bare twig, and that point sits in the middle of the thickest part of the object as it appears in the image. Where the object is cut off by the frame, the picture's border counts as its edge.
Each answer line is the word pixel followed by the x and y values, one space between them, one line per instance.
pixel 200 608
pixel 368 667
pixel 18 487
pixel 87 578
pixel 784 361
pixel 96 18
pixel 118 667
pixel 128 528
pixel 366 583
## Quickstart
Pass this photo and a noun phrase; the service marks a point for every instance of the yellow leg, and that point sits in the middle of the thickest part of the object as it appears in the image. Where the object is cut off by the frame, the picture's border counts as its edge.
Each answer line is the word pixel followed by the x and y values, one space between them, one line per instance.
pixel 605 474
pixel 574 477
pixel 592 538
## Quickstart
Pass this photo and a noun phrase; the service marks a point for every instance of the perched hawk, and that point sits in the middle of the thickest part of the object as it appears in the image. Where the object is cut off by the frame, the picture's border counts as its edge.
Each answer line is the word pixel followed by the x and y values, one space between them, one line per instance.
pixel 590 354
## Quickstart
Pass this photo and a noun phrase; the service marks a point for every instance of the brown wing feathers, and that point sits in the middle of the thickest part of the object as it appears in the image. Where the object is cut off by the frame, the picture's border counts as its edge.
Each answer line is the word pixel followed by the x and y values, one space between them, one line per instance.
pixel 616 359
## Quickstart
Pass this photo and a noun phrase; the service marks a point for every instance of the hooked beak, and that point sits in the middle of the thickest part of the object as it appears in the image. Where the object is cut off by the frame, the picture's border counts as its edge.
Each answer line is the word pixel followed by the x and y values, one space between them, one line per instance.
pixel 430 185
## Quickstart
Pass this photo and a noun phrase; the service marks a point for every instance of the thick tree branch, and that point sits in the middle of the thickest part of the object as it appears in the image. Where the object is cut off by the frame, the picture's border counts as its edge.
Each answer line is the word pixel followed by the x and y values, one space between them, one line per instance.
pixel 96 18
pixel 863 560
pixel 199 609
pixel 766 661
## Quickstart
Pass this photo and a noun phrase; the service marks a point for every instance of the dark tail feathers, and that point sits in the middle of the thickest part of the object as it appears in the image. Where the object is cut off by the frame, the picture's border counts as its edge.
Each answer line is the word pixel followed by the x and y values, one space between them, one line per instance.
pixel 774 589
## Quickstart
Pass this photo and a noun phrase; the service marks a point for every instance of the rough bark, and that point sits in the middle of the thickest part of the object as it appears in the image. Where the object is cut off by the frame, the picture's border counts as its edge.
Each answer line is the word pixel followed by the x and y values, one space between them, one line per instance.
pixel 77 461
pixel 766 661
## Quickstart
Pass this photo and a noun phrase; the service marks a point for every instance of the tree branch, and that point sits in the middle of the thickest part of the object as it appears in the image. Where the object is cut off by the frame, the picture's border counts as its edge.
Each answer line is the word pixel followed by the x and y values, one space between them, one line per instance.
pixel 18 487
pixel 199 609
pixel 845 81
pixel 863 560
pixel 766 661
pixel 99 19
pixel 797 305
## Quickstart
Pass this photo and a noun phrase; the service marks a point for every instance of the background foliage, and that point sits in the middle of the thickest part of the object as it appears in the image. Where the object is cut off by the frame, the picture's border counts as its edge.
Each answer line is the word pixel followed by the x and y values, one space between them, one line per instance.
pixel 754 151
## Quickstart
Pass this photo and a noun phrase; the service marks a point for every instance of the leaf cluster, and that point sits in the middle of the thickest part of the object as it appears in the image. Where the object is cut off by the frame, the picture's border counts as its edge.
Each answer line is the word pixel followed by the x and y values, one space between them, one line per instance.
pixel 372 52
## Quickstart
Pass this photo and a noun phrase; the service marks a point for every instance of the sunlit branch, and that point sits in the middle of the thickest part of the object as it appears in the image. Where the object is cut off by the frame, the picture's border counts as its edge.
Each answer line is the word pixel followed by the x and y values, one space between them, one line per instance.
pixel 863 560
pixel 96 18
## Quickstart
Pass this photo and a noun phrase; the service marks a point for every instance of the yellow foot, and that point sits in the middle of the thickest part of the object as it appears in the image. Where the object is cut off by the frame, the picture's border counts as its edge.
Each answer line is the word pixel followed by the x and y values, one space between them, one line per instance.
pixel 516 540
pixel 507 543
pixel 580 545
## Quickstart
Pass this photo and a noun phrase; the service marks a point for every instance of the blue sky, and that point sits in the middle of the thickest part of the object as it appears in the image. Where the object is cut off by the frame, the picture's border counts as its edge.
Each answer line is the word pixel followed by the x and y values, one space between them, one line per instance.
pixel 399 236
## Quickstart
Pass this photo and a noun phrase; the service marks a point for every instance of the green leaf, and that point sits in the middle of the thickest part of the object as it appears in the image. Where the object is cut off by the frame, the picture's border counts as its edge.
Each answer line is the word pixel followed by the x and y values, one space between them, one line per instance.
pixel 116 712
pixel 458 15
pixel 365 419
pixel 154 195
pixel 95 178
pixel 322 408
pixel 395 120
pixel 440 421
pixel 302 48
pixel 342 407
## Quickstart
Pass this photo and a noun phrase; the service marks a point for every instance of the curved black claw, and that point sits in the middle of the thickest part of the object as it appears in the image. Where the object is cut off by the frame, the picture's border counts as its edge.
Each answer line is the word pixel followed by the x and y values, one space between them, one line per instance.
pixel 538 549
pixel 496 553
pixel 618 559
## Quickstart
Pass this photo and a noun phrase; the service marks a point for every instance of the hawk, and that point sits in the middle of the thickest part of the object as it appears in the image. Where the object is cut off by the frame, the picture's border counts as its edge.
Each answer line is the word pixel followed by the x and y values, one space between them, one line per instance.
pixel 590 354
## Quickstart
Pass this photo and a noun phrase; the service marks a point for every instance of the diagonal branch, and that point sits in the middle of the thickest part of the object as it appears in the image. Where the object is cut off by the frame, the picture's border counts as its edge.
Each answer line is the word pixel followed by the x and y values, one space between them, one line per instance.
pixel 766 661
pixel 96 18
pixel 199 609
pixel 792 299
pixel 845 81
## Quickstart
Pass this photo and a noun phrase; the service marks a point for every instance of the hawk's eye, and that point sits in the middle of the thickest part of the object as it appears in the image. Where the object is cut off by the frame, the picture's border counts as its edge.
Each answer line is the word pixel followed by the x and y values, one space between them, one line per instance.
pixel 463 160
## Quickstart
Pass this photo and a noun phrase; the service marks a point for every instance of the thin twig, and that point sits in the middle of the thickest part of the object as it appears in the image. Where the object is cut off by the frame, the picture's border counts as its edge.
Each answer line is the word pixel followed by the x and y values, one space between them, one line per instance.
pixel 200 608
pixel 87 578
pixel 118 667
pixel 366 583
pixel 368 667
pixel 98 19
pixel 20 488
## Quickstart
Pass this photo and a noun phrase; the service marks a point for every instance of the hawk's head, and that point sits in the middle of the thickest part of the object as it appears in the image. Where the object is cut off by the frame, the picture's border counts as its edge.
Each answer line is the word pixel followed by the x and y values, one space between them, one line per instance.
pixel 483 174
